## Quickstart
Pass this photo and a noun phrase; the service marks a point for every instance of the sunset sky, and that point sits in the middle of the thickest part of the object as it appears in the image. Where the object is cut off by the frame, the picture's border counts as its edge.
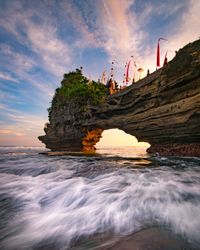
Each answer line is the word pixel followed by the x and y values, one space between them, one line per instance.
pixel 41 40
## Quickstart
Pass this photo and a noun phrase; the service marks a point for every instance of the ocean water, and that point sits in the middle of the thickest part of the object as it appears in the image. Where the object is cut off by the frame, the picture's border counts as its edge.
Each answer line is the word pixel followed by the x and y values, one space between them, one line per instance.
pixel 52 202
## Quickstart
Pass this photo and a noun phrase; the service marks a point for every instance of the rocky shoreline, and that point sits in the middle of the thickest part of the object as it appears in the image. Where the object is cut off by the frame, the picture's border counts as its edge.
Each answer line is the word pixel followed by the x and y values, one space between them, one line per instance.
pixel 190 149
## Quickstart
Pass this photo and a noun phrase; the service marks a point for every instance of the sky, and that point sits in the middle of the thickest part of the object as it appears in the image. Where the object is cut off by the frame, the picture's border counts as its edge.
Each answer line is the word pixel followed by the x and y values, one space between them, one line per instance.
pixel 43 39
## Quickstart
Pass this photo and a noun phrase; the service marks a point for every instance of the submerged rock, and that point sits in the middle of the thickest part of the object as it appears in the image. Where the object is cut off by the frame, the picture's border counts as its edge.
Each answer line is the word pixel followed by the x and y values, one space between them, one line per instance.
pixel 162 109
pixel 146 239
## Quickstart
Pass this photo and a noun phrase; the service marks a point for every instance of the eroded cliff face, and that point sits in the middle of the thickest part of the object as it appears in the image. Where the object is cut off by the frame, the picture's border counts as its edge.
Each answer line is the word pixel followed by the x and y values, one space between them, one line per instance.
pixel 162 109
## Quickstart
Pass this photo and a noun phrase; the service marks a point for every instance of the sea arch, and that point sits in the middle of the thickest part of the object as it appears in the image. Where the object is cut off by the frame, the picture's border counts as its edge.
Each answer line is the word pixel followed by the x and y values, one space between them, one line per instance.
pixel 118 138
pixel 162 109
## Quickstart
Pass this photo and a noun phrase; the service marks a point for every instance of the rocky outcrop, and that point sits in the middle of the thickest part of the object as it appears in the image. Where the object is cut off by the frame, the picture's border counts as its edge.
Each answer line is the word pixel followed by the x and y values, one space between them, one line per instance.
pixel 162 109
pixel 90 139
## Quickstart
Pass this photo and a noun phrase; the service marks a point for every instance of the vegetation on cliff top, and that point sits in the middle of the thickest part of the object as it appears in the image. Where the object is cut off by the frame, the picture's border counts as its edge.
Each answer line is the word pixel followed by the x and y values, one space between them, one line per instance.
pixel 77 87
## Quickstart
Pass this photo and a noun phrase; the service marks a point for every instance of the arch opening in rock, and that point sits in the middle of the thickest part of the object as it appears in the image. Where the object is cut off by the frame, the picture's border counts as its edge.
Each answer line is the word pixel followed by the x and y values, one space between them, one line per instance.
pixel 118 138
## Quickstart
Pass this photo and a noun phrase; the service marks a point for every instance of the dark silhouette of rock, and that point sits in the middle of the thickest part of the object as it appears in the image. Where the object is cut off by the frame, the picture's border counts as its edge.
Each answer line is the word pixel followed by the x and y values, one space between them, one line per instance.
pixel 162 109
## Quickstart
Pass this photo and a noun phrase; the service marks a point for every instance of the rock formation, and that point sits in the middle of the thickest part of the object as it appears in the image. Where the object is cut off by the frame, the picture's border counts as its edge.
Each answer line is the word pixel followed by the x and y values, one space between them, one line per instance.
pixel 162 109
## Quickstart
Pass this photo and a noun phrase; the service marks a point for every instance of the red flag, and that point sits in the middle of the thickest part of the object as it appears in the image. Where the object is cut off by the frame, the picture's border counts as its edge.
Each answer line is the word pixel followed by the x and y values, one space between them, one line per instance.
pixel 158 55
pixel 158 51
pixel 127 72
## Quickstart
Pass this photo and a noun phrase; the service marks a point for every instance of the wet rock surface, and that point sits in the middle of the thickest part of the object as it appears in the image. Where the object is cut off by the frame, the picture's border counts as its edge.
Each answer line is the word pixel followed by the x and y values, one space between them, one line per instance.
pixel 147 239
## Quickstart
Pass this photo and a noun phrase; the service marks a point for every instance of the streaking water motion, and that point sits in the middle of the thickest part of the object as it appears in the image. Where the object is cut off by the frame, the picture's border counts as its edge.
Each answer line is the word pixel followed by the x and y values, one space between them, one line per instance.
pixel 57 200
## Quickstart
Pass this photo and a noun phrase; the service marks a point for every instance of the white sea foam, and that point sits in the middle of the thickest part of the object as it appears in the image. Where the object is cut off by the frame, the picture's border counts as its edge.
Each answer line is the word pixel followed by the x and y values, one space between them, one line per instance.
pixel 61 206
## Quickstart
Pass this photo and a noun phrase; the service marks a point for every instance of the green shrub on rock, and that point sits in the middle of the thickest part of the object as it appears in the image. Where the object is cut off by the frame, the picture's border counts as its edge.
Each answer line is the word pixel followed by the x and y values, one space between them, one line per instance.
pixel 77 87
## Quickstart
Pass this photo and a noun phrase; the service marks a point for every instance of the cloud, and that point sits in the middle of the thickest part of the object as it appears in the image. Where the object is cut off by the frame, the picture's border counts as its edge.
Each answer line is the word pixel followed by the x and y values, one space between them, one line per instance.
pixel 7 77
pixel 34 56
pixel 122 32
pixel 20 65
pixel 22 119
pixel 18 62
pixel 55 53
pixel 10 132
pixel 188 28
pixel 111 26
pixel 6 109
pixel 129 32
pixel 19 128
pixel 108 26
pixel 181 26
pixel 112 29
pixel 39 35
pixel 83 21
pixel 185 30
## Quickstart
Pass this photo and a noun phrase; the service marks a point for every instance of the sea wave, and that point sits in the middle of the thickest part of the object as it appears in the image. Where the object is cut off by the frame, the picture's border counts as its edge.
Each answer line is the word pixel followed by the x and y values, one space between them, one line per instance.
pixel 61 199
